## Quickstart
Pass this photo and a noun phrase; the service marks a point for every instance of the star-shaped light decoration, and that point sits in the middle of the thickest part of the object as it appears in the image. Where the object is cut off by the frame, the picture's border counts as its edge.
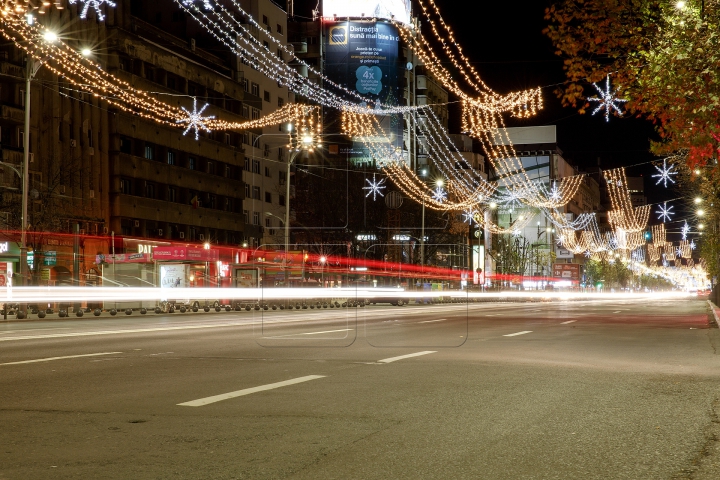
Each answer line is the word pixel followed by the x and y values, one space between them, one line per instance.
pixel 665 173
pixel 374 187
pixel 195 120
pixel 693 246
pixel 685 230
pixel 608 100
pixel 469 216
pixel 440 195
pixel 96 4
pixel 678 252
pixel 516 232
pixel 191 3
pixel 665 212
pixel 588 254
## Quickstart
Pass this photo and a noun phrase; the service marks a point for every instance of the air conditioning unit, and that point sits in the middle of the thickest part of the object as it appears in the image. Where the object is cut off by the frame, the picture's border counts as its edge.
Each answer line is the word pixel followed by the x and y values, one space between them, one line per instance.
pixel 32 157
pixel 182 235
pixel 91 151
pixel 82 231
pixel 160 232
pixel 105 230
pixel 201 237
pixel 137 223
pixel 91 193
pixel 73 143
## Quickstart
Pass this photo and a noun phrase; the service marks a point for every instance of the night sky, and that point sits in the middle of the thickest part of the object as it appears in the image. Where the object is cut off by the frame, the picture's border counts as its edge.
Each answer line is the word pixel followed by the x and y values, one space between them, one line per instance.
pixel 504 41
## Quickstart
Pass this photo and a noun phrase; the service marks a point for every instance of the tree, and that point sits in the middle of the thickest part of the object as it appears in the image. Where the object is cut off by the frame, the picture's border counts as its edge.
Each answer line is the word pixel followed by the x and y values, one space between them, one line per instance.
pixel 663 59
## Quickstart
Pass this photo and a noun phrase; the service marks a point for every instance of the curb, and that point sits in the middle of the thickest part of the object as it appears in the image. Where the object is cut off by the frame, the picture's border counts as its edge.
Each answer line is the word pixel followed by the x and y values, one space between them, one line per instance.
pixel 713 309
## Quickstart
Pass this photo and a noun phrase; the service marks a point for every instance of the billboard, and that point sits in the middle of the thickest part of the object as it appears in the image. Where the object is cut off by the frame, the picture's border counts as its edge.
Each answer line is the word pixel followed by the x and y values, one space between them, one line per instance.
pixel 567 271
pixel 363 57
pixel 399 9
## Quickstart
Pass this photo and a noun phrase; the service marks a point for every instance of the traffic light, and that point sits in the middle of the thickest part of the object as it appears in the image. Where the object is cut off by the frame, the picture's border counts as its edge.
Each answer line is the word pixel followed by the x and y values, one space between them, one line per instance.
pixel 648 236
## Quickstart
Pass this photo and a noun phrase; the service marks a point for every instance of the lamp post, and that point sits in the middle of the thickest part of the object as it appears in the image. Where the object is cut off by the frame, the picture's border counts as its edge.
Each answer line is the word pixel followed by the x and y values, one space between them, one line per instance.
pixel 323 259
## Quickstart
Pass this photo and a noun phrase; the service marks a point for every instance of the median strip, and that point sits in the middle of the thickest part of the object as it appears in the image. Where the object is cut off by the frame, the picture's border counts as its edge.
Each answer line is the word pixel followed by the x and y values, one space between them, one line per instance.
pixel 239 393
pixel 50 359
pixel 402 357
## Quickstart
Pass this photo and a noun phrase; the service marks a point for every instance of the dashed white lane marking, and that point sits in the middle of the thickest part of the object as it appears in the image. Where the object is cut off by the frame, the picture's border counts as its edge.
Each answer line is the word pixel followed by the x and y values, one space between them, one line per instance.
pixel 239 393
pixel 569 321
pixel 312 333
pixel 618 311
pixel 518 333
pixel 61 358
pixel 402 357
pixel 120 332
pixel 433 321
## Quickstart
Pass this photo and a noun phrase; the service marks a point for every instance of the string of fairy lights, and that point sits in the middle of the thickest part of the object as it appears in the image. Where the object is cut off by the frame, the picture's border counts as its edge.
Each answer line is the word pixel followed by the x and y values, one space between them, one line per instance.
pixel 482 117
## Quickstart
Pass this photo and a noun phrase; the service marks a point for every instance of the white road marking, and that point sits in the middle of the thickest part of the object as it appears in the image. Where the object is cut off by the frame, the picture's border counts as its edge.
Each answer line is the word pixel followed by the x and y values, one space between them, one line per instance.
pixel 61 358
pixel 225 396
pixel 433 321
pixel 312 333
pixel 120 332
pixel 569 321
pixel 402 357
pixel 618 311
pixel 518 333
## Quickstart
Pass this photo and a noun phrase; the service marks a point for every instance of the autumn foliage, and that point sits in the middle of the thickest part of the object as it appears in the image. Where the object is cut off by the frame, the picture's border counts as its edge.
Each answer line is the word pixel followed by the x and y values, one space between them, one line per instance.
pixel 662 55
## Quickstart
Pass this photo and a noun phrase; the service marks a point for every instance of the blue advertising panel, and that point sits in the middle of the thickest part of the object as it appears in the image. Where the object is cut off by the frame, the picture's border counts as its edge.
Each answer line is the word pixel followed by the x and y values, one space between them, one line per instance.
pixel 362 56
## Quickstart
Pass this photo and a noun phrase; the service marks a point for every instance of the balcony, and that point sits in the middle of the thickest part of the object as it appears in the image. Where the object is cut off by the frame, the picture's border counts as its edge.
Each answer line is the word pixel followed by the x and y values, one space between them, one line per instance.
pixel 13 114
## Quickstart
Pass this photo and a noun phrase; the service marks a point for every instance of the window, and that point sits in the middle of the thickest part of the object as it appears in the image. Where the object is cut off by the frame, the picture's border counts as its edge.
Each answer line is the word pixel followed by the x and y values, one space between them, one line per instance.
pixel 268 222
pixel 281 200
pixel 279 54
pixel 256 193
pixel 246 85
pixel 266 96
pixel 265 19
pixel 247 164
pixel 281 154
pixel 191 163
pixel 255 113
pixel 247 191
pixel 279 29
pixel 266 150
pixel 256 166
pixel 172 194
pixel 171 158
pixel 227 171
pixel 281 101
pixel 150 190
pixel 283 177
pixel 256 218
pixel 211 168
pixel 255 89
pixel 268 197
pixel 126 186
pixel 246 214
pixel 126 145
pixel 90 138
pixel 212 201
pixel 267 172
pixel 149 151
pixel 246 112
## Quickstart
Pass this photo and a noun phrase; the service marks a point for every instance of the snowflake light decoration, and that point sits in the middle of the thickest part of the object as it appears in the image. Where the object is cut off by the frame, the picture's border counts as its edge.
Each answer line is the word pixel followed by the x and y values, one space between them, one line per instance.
pixel 95 4
pixel 607 100
pixel 516 232
pixel 665 173
pixel 665 212
pixel 685 230
pixel 374 187
pixel 678 252
pixel 588 254
pixel 469 216
pixel 693 246
pixel 195 120
pixel 191 3
pixel 555 194
pixel 439 194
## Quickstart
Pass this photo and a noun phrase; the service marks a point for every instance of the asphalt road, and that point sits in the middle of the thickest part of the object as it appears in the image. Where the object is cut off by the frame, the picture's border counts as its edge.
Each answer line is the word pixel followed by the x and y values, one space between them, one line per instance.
pixel 606 390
